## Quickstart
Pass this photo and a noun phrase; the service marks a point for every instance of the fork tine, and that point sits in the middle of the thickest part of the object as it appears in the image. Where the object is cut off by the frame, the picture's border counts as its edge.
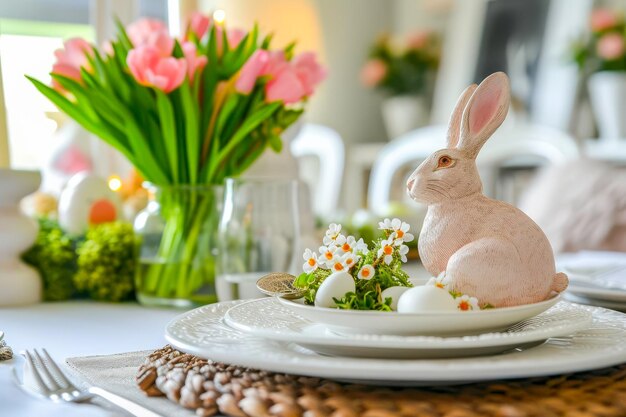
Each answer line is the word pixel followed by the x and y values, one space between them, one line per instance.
pixel 53 383
pixel 59 374
pixel 35 372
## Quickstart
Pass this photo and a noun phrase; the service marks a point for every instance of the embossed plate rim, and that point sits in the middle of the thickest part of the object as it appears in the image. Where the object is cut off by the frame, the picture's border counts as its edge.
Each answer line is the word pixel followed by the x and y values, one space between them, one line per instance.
pixel 399 342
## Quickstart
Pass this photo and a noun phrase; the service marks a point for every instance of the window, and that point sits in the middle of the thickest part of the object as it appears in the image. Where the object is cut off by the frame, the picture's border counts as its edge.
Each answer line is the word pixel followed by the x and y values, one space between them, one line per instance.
pixel 30 32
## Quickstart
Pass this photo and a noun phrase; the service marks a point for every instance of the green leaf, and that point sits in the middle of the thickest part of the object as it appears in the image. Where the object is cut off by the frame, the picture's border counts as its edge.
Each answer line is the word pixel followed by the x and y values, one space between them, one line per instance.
pixel 191 131
pixel 244 130
pixel 144 161
pixel 168 129
pixel 229 106
pixel 123 36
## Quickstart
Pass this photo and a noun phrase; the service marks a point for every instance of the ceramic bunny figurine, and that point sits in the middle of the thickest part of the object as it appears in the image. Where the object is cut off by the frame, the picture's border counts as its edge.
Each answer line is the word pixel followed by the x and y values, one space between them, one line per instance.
pixel 488 248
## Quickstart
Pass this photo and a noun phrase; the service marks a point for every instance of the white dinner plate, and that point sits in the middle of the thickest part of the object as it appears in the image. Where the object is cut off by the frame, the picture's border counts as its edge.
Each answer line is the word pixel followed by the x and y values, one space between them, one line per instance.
pixel 448 323
pixel 614 295
pixel 204 333
pixel 267 318
pixel 613 305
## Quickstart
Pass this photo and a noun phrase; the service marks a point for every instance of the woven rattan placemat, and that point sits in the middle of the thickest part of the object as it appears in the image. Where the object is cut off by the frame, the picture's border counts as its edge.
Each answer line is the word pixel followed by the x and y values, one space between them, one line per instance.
pixel 211 387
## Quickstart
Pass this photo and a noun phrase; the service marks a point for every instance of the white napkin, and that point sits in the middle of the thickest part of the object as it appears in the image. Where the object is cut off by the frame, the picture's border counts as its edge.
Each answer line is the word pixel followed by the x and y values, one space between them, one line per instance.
pixel 15 402
pixel 603 270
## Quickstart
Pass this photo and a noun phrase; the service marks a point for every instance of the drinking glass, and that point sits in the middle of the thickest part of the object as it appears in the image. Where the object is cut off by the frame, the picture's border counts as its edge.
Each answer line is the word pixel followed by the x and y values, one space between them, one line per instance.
pixel 258 233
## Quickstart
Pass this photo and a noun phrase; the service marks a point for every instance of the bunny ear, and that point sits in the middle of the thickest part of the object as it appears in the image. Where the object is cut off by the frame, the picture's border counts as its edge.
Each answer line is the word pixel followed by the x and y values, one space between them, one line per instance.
pixel 454 126
pixel 484 113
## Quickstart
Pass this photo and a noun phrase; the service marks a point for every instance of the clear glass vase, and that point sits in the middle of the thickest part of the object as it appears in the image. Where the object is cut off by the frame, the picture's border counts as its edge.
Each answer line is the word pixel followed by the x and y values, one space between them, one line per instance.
pixel 178 230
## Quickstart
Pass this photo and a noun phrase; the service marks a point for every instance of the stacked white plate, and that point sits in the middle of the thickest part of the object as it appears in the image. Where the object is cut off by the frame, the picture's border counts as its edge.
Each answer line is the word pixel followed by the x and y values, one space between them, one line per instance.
pixel 546 338
pixel 596 278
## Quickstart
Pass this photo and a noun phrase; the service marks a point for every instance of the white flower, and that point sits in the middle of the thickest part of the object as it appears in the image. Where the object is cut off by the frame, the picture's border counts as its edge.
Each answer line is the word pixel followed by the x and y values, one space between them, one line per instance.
pixel 327 254
pixel 361 246
pixel 386 250
pixel 367 272
pixel 404 249
pixel 385 225
pixel 349 245
pixel 401 232
pixel 350 259
pixel 466 303
pixel 333 235
pixel 441 281
pixel 310 263
pixel 338 264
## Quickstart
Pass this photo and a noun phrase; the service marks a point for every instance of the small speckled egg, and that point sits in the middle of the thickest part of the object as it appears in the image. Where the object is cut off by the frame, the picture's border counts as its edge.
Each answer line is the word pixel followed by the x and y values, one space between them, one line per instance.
pixel 394 293
pixel 426 299
pixel 336 285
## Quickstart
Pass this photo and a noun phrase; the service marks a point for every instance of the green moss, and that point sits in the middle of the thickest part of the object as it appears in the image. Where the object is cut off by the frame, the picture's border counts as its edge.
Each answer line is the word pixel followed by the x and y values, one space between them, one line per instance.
pixel 107 260
pixel 53 255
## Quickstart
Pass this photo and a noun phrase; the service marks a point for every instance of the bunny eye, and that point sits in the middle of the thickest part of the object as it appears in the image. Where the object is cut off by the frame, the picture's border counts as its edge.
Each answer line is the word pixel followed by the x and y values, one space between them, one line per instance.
pixel 445 162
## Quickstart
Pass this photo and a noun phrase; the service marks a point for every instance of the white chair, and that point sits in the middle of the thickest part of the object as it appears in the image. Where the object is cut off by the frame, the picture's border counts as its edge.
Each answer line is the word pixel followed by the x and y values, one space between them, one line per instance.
pixel 410 148
pixel 523 145
pixel 327 146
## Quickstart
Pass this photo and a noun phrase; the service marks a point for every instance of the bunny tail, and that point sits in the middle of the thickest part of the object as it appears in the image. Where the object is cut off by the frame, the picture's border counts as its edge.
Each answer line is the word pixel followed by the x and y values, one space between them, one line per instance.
pixel 559 282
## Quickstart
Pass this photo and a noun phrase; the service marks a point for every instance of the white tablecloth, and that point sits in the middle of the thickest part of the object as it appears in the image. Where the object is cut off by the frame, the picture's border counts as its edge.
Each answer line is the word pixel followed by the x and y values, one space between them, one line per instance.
pixel 76 328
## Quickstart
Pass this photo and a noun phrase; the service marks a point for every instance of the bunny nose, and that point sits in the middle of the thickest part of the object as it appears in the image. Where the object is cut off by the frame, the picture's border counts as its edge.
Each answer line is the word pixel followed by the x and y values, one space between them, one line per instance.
pixel 410 183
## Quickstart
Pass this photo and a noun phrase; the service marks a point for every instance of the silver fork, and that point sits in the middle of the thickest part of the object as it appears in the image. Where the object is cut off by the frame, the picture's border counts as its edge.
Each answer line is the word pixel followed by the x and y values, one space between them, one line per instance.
pixel 52 383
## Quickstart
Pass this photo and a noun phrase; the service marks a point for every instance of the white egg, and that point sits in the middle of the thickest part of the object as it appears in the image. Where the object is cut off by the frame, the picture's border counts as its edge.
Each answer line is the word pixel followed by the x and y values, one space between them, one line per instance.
pixel 394 293
pixel 336 285
pixel 87 199
pixel 426 299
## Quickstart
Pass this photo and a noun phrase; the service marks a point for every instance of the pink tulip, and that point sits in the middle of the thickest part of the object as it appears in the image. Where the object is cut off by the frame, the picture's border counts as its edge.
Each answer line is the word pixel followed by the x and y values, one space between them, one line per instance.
pixel 373 72
pixel 70 59
pixel 611 46
pixel 285 86
pixel 276 63
pixel 602 19
pixel 418 40
pixel 199 24
pixel 195 63
pixel 150 68
pixel 284 83
pixel 251 70
pixel 142 30
pixel 151 32
pixel 289 82
pixel 309 71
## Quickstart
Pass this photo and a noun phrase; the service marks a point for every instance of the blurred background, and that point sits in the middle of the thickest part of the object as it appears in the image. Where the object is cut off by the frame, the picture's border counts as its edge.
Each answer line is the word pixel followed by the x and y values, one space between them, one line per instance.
pixel 396 68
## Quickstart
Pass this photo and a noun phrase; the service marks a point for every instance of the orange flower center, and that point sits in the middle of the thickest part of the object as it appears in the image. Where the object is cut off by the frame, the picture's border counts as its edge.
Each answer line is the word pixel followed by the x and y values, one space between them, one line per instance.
pixel 338 266
pixel 312 262
pixel 400 234
pixel 346 247
pixel 328 255
pixel 464 306
pixel 365 272
pixel 439 284
pixel 387 250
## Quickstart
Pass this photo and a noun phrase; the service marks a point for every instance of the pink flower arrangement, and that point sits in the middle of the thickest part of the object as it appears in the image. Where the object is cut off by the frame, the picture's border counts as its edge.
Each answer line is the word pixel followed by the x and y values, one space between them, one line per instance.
pixel 405 69
pixel 215 89
pixel 604 48
pixel 188 111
